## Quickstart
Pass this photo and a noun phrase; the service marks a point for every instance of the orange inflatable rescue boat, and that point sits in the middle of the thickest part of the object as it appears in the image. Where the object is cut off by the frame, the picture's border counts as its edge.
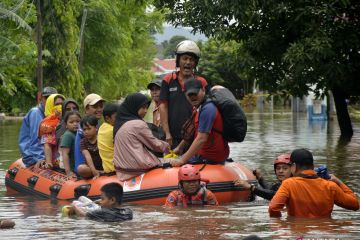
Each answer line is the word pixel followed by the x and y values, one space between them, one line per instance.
pixel 149 188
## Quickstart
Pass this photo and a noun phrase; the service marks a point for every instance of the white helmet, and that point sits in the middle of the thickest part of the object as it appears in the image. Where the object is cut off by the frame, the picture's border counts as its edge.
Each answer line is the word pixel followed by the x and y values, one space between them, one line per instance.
pixel 188 46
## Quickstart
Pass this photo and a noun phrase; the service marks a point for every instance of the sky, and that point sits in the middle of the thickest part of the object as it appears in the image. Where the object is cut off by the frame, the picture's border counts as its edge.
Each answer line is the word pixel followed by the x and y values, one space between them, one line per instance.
pixel 170 31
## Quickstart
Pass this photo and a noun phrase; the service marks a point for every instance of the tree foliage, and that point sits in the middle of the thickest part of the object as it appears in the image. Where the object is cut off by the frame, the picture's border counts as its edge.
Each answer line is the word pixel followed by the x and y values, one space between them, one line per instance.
pixel 295 44
pixel 224 62
pixel 17 53
pixel 100 46
pixel 60 38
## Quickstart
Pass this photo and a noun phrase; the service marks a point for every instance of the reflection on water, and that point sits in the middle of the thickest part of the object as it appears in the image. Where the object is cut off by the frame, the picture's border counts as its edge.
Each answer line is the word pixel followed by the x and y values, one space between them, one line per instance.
pixel 268 136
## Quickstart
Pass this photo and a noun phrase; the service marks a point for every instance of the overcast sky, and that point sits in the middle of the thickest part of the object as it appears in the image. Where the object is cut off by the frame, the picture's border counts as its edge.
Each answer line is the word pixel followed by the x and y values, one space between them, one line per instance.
pixel 170 31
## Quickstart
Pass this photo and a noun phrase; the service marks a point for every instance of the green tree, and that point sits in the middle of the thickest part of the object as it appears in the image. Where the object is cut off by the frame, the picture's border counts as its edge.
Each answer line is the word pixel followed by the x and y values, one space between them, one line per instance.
pixel 295 44
pixel 61 40
pixel 118 47
pixel 97 46
pixel 223 62
pixel 170 46
pixel 18 58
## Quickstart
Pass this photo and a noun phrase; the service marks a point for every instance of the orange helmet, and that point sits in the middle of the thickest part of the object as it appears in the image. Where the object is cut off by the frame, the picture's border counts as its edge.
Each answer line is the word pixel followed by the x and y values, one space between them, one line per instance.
pixel 188 173
pixel 283 158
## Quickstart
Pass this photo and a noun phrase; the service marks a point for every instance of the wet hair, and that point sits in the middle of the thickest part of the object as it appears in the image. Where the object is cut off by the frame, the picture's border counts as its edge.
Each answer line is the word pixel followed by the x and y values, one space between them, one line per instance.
pixel 110 109
pixel 114 190
pixel 70 113
pixel 89 121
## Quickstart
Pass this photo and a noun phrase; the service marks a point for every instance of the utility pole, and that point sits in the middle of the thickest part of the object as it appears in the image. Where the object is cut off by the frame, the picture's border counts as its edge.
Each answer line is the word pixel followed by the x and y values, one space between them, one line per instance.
pixel 39 69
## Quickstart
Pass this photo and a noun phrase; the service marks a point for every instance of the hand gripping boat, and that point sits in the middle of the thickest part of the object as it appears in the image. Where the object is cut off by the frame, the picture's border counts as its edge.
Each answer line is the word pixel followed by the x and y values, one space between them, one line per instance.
pixel 149 188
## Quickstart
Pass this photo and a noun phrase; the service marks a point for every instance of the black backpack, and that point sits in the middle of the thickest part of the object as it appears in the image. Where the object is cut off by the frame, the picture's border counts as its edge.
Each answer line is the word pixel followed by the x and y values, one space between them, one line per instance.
pixel 234 119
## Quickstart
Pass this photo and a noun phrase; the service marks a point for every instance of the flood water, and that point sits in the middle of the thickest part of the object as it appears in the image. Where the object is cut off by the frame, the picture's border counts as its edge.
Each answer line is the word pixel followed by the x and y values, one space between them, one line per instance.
pixel 268 136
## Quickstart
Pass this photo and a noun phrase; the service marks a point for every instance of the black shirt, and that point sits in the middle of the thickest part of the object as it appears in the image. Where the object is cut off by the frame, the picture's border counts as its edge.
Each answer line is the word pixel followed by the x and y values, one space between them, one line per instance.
pixel 110 214
pixel 179 109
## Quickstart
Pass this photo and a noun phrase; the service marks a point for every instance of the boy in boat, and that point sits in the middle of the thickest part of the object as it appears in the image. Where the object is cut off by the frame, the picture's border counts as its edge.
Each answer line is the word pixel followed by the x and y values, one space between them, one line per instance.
pixel 191 191
pixel 92 168
pixel 94 105
pixel 105 139
pixel 110 202
pixel 282 170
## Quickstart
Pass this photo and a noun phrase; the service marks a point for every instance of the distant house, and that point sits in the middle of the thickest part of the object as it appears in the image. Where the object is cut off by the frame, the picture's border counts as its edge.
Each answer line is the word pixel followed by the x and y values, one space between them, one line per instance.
pixel 161 67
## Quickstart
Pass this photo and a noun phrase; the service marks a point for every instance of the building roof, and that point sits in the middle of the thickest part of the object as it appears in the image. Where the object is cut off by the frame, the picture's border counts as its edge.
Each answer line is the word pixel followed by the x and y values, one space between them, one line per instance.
pixel 163 66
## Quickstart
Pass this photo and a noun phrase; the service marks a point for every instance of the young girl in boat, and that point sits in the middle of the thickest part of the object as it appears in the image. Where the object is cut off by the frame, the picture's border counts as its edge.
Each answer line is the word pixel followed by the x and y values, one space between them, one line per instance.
pixel 134 141
pixel 92 168
pixel 191 191
pixel 68 105
pixel 47 130
pixel 282 170
pixel 67 143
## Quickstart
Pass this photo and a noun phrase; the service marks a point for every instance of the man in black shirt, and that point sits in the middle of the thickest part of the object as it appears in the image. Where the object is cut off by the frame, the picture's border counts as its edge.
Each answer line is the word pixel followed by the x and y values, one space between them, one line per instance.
pixel 174 108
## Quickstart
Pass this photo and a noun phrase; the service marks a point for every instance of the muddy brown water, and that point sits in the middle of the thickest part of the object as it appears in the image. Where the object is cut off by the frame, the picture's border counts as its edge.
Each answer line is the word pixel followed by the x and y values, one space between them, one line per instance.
pixel 268 136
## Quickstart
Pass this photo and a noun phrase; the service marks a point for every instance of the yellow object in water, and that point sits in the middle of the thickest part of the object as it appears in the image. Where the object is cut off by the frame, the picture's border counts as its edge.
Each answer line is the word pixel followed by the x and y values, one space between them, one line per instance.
pixel 65 210
pixel 171 154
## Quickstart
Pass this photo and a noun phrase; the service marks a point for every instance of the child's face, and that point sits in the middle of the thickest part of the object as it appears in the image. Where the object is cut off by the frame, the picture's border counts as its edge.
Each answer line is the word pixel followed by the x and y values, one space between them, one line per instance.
pixel 142 111
pixel 73 123
pixel 89 131
pixel 191 187
pixel 282 171
pixel 111 120
pixel 107 202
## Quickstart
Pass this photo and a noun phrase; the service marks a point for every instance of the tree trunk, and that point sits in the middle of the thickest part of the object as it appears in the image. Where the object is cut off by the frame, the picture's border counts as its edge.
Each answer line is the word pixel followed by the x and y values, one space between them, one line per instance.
pixel 342 114
pixel 39 69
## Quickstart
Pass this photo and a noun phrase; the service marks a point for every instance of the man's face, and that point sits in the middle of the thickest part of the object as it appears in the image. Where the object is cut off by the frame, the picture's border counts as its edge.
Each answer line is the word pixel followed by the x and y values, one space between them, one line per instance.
pixel 155 93
pixel 95 110
pixel 187 63
pixel 43 100
pixel 196 99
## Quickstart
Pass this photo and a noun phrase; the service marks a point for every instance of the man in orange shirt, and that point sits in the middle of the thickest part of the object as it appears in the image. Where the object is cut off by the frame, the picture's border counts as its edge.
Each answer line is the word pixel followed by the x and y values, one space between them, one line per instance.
pixel 307 195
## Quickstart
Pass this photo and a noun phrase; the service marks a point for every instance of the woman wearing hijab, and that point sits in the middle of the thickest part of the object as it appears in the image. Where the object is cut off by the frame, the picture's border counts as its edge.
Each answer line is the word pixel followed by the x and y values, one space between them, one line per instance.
pixel 68 105
pixel 134 140
pixel 47 130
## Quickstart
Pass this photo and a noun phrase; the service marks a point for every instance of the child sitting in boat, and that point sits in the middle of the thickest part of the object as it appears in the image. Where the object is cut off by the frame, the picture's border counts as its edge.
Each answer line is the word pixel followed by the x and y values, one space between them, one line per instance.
pixel 191 190
pixel 105 137
pixel 110 206
pixel 47 130
pixel 67 143
pixel 282 171
pixel 134 141
pixel 88 146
